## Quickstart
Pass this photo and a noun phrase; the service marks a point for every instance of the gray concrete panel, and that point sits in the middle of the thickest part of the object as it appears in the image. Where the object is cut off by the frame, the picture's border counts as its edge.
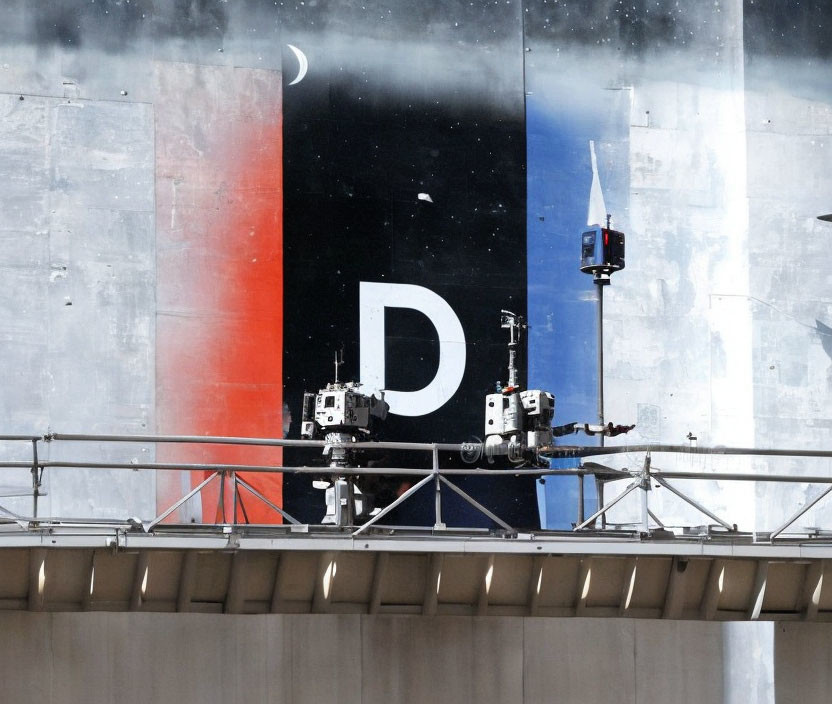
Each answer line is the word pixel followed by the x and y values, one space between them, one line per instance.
pixel 25 663
pixel 101 295
pixel 153 658
pixel 789 159
pixel 678 661
pixel 601 669
pixel 78 285
pixel 498 659
pixel 802 663
pixel 417 659
pixel 325 658
pixel 748 663
pixel 24 264
pixel 104 657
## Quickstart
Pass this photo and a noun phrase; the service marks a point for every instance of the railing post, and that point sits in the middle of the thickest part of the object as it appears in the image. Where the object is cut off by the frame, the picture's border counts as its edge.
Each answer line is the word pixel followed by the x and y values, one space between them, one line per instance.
pixel 221 501
pixel 437 489
pixel 233 497
pixel 580 498
pixel 645 487
pixel 35 478
pixel 162 516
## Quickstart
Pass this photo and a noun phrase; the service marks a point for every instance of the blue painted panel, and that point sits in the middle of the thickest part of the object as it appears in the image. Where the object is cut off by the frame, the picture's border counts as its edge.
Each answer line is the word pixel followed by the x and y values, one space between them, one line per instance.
pixel 561 299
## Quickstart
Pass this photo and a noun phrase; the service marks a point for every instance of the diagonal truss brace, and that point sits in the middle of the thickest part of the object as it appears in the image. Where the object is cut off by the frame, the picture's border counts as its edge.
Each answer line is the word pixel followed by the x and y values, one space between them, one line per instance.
pixel 694 503
pixel 404 497
pixel 603 510
pixel 193 492
pixel 476 504
pixel 243 483
pixel 800 512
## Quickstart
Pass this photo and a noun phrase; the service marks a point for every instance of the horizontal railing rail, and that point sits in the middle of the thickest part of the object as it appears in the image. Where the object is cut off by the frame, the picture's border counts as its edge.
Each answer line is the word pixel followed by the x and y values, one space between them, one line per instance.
pixel 640 479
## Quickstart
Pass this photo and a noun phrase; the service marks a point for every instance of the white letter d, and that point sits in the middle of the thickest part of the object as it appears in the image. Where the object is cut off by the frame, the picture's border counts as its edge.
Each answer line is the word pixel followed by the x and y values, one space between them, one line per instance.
pixel 373 299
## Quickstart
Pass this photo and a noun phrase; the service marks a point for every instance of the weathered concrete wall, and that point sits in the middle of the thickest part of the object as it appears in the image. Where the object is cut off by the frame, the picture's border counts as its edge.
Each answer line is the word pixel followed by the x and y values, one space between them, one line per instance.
pixel 679 338
pixel 90 658
pixel 713 155
pixel 713 138
pixel 789 137
pixel 712 133
pixel 78 313
pixel 802 663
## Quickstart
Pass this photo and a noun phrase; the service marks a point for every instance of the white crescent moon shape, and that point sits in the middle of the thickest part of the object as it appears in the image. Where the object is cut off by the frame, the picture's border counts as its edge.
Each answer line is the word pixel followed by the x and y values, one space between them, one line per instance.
pixel 303 64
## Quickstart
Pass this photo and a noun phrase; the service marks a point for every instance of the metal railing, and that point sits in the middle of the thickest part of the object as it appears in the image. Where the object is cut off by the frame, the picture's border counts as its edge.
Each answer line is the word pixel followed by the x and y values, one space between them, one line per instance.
pixel 640 479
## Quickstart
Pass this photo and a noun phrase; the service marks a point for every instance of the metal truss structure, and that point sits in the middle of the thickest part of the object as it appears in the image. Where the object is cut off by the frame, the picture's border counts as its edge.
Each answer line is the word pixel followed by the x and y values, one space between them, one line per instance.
pixel 644 570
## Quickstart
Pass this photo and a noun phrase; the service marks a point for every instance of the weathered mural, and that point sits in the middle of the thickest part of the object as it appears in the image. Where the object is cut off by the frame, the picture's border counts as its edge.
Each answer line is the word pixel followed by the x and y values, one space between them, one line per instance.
pixel 404 166
pixel 195 193
pixel 219 267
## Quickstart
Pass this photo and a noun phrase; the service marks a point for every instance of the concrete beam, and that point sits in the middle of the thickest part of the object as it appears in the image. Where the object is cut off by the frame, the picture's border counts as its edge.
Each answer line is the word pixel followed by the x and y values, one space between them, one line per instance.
pixel 187 578
pixel 713 590
pixel 432 584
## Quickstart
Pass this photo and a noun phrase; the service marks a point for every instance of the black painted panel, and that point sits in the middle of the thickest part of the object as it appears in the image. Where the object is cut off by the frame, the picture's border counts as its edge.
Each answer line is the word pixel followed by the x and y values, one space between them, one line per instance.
pixel 357 154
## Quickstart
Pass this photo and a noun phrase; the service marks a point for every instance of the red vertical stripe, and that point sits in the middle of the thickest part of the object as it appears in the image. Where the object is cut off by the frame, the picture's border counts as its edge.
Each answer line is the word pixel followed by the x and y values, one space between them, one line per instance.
pixel 219 338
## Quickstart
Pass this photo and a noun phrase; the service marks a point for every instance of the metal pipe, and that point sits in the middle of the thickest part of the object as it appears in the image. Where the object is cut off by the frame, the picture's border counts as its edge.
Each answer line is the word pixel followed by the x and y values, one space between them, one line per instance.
pixel 645 488
pixel 499 521
pixel 262 498
pixel 350 482
pixel 803 510
pixel 404 497
pixel 234 491
pixel 227 440
pixel 14 515
pixel 600 328
pixel 694 503
pixel 474 471
pixel 655 518
pixel 35 478
pixel 437 504
pixel 599 500
pixel 242 505
pixel 437 493
pixel 161 517
pixel 742 477
pixel 567 451
pixel 602 511
pixel 221 502
pixel 407 471
pixel 572 451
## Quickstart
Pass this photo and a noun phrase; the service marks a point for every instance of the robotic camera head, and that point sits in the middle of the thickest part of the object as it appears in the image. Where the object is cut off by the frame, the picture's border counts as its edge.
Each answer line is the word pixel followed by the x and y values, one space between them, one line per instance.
pixel 340 407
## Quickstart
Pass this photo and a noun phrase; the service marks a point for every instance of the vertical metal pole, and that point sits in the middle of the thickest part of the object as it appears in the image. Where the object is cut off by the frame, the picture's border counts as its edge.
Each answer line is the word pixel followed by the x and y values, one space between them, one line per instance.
pixel 601 355
pixel 580 498
pixel 599 282
pixel 437 495
pixel 221 503
pixel 234 497
pixel 350 501
pixel 242 505
pixel 645 487
pixel 437 504
pixel 340 513
pixel 35 478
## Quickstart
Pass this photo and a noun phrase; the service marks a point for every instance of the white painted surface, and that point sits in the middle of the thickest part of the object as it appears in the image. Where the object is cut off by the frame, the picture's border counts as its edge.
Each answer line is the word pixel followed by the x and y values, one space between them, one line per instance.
pixel 375 298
